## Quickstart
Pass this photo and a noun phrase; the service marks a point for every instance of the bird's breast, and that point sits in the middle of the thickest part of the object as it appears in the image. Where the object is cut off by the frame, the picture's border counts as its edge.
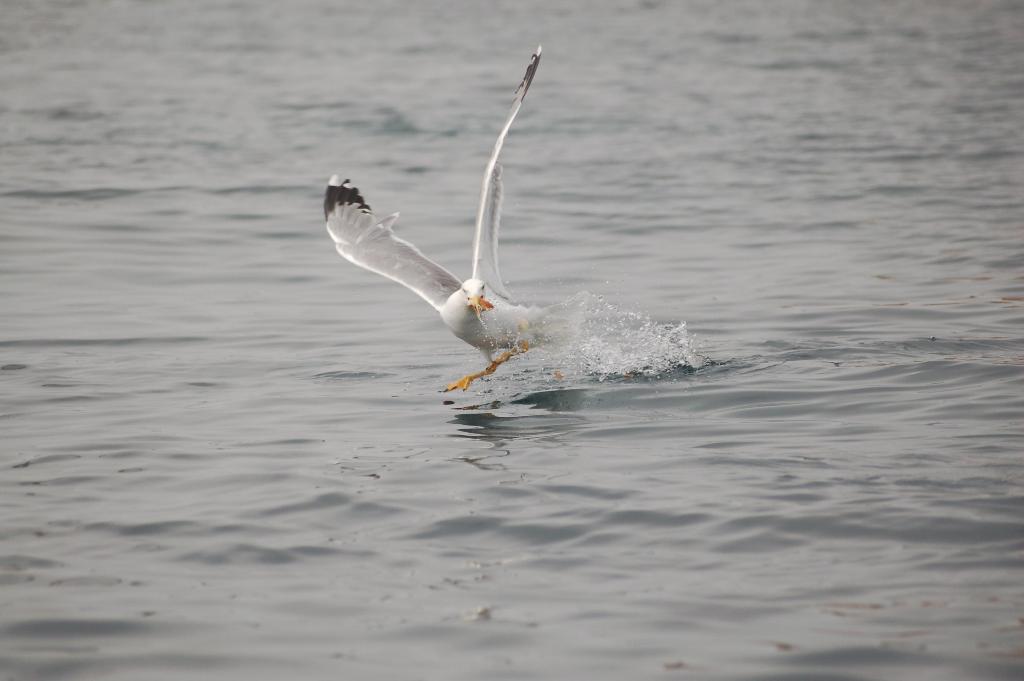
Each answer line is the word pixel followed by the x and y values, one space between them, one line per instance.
pixel 491 330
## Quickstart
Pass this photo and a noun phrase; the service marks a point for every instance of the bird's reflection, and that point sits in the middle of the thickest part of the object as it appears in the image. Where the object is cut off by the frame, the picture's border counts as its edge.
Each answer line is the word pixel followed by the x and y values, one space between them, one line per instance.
pixel 555 416
pixel 562 400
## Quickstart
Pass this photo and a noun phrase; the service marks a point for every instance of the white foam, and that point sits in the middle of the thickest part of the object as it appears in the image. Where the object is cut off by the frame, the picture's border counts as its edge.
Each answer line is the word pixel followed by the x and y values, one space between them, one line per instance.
pixel 606 341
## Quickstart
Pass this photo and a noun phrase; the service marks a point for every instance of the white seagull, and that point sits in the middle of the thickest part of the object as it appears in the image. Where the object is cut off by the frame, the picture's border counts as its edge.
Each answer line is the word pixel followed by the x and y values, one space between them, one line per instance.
pixel 479 310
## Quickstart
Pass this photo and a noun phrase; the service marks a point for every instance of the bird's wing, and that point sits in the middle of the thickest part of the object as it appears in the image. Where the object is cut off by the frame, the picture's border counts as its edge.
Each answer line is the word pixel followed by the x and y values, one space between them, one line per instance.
pixel 488 244
pixel 485 241
pixel 370 243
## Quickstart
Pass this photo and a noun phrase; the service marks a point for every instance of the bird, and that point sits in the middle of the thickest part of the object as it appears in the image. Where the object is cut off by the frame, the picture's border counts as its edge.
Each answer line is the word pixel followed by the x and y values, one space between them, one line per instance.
pixel 478 310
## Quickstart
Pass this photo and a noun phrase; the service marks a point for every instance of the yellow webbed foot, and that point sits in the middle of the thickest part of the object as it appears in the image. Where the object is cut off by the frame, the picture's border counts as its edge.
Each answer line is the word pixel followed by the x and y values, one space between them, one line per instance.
pixel 461 383
pixel 464 382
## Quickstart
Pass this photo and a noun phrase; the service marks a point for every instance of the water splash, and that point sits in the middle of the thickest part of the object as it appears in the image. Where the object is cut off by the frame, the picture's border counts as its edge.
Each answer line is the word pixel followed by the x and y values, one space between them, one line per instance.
pixel 600 339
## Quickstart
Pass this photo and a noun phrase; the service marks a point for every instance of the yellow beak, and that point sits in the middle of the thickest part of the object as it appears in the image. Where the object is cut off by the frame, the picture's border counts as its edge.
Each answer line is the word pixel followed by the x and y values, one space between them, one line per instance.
pixel 479 303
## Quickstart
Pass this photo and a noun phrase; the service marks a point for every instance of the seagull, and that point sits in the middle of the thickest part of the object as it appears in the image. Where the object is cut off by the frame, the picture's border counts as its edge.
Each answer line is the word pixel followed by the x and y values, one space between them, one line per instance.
pixel 479 310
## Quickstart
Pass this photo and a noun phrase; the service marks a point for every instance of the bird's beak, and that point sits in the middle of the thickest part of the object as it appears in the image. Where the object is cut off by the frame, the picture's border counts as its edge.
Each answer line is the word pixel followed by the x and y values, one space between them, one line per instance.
pixel 479 303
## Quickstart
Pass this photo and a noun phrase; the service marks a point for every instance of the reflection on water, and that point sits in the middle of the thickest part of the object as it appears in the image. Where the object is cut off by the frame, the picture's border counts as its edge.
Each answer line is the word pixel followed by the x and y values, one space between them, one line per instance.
pixel 486 462
pixel 500 430
pixel 549 418
pixel 568 399
pixel 550 413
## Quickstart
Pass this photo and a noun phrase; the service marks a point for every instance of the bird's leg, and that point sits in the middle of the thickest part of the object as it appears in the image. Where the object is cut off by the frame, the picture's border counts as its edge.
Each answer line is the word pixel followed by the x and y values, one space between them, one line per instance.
pixel 464 382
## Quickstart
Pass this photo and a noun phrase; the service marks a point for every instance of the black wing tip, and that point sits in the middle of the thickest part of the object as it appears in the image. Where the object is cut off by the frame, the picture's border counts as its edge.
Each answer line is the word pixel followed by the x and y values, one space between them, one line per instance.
pixel 531 70
pixel 343 194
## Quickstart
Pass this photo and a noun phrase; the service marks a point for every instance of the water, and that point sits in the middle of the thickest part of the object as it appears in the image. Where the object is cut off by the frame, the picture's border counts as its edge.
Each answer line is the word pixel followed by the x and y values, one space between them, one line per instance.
pixel 224 450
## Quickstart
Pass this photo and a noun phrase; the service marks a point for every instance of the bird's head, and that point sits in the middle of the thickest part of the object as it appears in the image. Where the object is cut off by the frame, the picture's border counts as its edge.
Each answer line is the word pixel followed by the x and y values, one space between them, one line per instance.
pixel 474 290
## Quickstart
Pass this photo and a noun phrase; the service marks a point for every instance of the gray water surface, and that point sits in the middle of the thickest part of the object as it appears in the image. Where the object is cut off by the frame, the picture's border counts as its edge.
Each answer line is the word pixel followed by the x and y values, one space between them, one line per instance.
pixel 224 450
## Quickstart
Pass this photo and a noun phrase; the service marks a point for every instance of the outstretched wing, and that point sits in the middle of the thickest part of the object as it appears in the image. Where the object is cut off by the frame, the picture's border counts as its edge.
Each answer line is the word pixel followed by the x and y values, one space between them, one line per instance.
pixel 370 243
pixel 488 263
pixel 485 241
